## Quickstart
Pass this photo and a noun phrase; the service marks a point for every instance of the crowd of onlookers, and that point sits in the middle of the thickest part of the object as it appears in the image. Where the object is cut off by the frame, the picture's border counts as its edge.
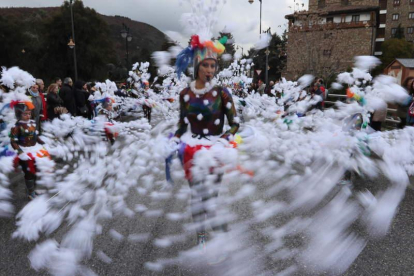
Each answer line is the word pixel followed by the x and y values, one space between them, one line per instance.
pixel 377 118
pixel 60 98
pixel 73 98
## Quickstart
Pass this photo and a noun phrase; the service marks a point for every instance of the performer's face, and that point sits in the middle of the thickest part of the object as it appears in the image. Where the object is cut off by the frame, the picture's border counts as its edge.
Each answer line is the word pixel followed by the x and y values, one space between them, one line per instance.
pixel 206 70
pixel 26 115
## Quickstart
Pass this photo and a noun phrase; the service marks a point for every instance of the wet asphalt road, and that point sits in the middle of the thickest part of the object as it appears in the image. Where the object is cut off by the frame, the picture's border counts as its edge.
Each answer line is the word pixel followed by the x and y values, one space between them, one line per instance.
pixel 141 239
pixel 391 255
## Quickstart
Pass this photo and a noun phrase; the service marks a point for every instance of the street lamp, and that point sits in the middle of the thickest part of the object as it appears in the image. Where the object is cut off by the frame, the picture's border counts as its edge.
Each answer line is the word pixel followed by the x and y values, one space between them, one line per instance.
pixel 267 49
pixel 238 47
pixel 71 43
pixel 251 2
pixel 128 38
pixel 267 52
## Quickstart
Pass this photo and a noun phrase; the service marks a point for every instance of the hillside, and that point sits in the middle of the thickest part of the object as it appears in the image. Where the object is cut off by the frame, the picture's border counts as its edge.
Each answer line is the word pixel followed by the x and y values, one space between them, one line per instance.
pixel 146 38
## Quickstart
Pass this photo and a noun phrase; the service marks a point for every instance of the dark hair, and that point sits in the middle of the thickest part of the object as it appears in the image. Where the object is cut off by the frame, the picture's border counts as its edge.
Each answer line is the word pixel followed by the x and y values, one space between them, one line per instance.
pixel 79 84
pixel 409 81
pixel 57 79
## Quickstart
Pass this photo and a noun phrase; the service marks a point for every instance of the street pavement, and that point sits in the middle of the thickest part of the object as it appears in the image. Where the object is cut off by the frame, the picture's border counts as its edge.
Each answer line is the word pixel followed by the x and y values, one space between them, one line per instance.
pixel 141 238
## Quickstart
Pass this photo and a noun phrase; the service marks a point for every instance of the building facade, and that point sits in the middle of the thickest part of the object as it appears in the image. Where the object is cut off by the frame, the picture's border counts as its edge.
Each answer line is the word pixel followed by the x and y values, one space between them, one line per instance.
pixel 398 13
pixel 325 39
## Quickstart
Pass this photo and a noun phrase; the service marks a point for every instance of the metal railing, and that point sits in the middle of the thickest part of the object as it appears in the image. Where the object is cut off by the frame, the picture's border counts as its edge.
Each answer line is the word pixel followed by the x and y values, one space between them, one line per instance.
pixel 393 121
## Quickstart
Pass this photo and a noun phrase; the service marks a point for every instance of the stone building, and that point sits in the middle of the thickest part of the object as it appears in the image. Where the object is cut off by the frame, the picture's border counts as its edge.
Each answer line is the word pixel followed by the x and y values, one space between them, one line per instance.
pixel 397 13
pixel 325 39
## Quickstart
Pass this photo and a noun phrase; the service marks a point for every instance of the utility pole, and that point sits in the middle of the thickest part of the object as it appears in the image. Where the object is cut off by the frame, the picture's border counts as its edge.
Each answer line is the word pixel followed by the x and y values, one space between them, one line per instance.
pixel 267 59
pixel 74 40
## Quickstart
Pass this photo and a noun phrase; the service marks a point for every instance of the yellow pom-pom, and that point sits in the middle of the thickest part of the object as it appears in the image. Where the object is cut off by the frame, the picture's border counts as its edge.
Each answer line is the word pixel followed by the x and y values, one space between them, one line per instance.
pixel 219 47
pixel 238 139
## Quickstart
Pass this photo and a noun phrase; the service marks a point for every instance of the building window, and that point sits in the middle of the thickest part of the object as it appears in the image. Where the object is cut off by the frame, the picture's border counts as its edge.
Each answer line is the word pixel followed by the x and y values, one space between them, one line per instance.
pixel 410 30
pixel 395 30
pixel 355 18
pixel 411 2
pixel 397 2
pixel 326 52
pixel 411 15
pixel 329 20
pixel 321 4
pixel 395 17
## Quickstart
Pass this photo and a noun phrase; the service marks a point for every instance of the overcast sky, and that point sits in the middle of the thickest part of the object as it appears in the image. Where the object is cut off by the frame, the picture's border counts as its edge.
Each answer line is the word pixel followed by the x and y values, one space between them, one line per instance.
pixel 242 17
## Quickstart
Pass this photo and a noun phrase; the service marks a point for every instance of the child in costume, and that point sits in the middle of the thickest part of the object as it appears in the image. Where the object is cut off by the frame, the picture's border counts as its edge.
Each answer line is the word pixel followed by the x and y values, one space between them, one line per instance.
pixel 146 104
pixel 24 138
pixel 203 108
pixel 106 114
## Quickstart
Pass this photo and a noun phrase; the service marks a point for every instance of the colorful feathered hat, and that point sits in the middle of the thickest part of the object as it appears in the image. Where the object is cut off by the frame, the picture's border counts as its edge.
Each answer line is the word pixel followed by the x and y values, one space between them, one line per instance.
pixel 20 107
pixel 198 52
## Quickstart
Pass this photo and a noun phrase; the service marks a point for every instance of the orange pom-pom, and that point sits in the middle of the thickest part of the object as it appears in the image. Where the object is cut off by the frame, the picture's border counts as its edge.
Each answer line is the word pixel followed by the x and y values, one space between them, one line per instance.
pixel 349 93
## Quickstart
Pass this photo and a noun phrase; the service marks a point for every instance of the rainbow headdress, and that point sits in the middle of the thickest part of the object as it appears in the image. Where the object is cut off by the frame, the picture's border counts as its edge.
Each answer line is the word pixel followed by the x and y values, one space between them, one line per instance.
pixel 198 52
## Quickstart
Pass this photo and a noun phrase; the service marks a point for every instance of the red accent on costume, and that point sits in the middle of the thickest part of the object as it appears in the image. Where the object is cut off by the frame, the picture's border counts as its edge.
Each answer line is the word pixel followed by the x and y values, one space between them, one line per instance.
pixel 188 159
pixel 195 42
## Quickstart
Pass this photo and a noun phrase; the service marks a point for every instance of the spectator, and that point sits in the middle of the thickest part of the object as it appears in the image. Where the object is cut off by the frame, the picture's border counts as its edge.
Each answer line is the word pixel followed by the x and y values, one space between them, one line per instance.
pixel 261 87
pixel 33 93
pixel 68 96
pixel 317 91
pixel 41 85
pixel 269 89
pixel 90 86
pixel 58 81
pixel 53 101
pixel 379 116
pixel 402 109
pixel 81 95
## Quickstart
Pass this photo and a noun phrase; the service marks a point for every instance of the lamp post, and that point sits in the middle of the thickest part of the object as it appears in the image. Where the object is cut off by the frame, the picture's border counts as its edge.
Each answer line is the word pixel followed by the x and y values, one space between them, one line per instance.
pixel 71 43
pixel 251 2
pixel 128 38
pixel 267 52
pixel 240 47
pixel 267 49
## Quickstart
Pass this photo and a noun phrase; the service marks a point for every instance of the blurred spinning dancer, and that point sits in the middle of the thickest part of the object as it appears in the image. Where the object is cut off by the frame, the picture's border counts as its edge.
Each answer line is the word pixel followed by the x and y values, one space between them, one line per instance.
pixel 203 107
pixel 146 105
pixel 25 140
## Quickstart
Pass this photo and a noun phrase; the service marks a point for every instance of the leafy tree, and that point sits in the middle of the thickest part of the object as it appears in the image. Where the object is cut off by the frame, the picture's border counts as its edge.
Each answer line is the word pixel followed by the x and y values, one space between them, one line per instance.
pixel 395 48
pixel 94 48
pixel 22 41
pixel 277 58
pixel 12 32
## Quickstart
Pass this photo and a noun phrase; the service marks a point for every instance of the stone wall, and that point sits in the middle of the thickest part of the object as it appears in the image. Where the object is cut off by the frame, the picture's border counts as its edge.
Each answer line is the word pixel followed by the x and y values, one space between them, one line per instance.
pixel 403 11
pixel 325 52
pixel 313 4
